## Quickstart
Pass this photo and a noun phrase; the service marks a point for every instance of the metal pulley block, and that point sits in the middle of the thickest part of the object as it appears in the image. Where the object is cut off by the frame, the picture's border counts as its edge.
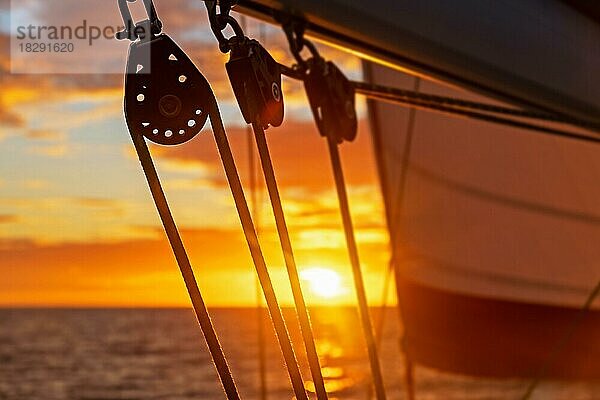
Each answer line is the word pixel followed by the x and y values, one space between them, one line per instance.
pixel 332 100
pixel 166 97
pixel 256 80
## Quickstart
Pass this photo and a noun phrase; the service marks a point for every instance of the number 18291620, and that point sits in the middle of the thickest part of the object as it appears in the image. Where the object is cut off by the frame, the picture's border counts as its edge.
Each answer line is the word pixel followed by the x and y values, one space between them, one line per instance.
pixel 47 47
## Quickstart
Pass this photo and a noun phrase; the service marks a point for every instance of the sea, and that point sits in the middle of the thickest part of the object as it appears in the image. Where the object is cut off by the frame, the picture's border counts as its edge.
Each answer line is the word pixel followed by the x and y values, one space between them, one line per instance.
pixel 131 354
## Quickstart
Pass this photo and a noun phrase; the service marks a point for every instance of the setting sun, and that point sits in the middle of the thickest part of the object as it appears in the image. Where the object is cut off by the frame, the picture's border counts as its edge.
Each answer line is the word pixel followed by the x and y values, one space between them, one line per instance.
pixel 323 282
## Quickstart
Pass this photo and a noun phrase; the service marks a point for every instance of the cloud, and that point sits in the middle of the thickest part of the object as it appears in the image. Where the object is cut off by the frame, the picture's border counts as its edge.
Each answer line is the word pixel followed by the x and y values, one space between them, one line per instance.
pixel 9 118
pixel 96 202
pixel 8 219
pixel 53 151
pixel 41 134
pixel 36 184
pixel 143 271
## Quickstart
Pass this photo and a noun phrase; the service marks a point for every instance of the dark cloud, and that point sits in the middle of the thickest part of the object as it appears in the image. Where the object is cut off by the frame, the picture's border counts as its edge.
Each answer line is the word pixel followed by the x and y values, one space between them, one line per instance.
pixel 10 119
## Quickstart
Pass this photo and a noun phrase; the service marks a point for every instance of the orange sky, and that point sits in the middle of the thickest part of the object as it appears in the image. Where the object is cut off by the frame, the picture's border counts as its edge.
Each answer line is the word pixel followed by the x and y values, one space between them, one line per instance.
pixel 77 224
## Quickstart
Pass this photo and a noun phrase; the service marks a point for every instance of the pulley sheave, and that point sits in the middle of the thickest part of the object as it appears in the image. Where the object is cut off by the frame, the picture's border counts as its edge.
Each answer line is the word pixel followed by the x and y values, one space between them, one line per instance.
pixel 166 96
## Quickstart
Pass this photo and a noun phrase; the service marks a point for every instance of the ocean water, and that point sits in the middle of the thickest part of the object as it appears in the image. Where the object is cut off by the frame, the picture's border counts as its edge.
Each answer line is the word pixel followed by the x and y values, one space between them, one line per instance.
pixel 160 354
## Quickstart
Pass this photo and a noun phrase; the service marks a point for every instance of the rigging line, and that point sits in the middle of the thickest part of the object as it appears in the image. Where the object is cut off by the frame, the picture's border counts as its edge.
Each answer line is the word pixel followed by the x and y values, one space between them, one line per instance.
pixel 290 262
pixel 262 357
pixel 256 252
pixel 385 294
pixel 581 217
pixel 363 306
pixel 406 155
pixel 407 96
pixel 380 324
pixel 364 87
pixel 562 343
pixel 396 214
pixel 390 211
pixel 261 331
pixel 187 272
pixel 261 345
pixel 393 212
pixel 453 111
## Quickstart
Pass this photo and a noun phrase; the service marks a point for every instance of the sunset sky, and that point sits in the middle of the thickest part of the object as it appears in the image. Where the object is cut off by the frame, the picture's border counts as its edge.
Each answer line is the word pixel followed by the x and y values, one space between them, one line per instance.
pixel 78 226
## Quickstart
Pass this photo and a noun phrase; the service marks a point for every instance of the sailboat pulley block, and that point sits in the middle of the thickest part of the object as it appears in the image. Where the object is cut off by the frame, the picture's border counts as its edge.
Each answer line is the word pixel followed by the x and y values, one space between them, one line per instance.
pixel 332 100
pixel 256 80
pixel 166 96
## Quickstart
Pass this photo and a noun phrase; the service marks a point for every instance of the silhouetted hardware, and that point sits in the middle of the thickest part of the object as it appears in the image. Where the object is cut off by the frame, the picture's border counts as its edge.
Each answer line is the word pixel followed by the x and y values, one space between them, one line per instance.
pixel 165 101
pixel 256 80
pixel 332 100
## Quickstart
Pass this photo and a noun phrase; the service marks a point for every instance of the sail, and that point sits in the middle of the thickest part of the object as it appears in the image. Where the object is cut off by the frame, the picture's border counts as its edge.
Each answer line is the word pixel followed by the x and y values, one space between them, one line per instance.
pixel 496 237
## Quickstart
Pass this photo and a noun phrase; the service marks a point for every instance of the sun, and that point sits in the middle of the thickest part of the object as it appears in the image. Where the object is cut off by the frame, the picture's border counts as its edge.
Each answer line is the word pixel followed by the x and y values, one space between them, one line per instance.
pixel 323 282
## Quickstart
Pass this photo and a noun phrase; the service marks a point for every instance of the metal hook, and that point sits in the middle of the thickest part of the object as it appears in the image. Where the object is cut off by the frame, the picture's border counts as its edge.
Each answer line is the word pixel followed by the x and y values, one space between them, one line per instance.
pixel 135 31
pixel 219 21
pixel 294 31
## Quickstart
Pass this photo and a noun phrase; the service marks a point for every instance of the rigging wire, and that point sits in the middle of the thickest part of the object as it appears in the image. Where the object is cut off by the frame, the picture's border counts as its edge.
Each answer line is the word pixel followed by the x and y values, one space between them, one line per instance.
pixel 454 111
pixel 380 324
pixel 359 285
pixel 290 262
pixel 379 90
pixel 397 214
pixel 394 217
pixel 385 294
pixel 261 345
pixel 297 42
pixel 219 20
pixel 253 179
pixel 561 344
pixel 465 108
pixel 233 178
pixel 187 272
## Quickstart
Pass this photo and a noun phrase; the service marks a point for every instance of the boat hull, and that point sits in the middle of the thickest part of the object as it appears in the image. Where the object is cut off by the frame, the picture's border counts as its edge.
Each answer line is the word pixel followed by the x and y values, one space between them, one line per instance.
pixel 495 236
pixel 498 338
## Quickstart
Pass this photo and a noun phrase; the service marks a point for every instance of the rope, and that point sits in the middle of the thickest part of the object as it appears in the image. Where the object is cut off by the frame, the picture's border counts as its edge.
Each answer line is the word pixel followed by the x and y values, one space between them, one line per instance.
pixel 385 294
pixel 261 346
pixel 393 215
pixel 185 267
pixel 562 343
pixel 466 108
pixel 397 211
pixel 297 42
pixel 363 307
pixel 453 111
pixel 256 252
pixel 290 262
pixel 378 90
